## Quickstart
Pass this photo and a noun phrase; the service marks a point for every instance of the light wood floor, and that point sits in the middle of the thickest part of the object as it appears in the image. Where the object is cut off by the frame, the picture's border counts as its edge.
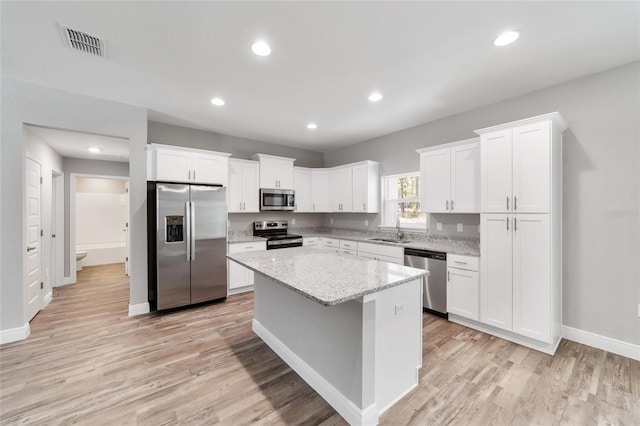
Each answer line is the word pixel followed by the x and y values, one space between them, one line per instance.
pixel 86 362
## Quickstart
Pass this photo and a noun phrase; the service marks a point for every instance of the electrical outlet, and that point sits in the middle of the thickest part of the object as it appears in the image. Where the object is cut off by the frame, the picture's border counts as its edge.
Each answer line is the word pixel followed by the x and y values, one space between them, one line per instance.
pixel 439 226
pixel 366 222
pixel 459 227
pixel 399 308
pixel 293 221
pixel 331 221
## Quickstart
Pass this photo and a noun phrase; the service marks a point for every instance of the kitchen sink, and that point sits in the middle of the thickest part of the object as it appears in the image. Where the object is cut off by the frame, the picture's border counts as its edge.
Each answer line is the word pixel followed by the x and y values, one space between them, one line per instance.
pixel 389 240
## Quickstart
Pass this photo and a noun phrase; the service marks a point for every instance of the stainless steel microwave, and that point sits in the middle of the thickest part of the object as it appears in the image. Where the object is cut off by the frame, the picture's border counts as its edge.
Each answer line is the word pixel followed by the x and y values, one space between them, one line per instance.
pixel 277 199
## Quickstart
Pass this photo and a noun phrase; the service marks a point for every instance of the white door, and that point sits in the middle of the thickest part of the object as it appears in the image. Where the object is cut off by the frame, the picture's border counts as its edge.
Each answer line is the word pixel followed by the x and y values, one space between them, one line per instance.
pixel 496 167
pixel 340 189
pixel 250 187
pixel 320 190
pixel 463 293
pixel 496 270
pixel 465 178
pixel 532 168
pixel 268 173
pixel 360 177
pixel 33 211
pixel 285 175
pixel 303 190
pixel 532 276
pixel 234 187
pixel 127 228
pixel 173 166
pixel 209 169
pixel 435 178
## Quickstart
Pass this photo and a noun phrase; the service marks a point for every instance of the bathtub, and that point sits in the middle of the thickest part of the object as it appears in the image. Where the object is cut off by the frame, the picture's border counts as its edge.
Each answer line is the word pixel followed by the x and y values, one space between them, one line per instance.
pixel 102 253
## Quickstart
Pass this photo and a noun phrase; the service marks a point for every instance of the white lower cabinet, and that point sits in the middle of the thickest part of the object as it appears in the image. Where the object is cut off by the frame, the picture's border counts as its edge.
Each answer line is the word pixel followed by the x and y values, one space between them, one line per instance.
pixel 310 241
pixel 463 286
pixel 382 252
pixel 239 278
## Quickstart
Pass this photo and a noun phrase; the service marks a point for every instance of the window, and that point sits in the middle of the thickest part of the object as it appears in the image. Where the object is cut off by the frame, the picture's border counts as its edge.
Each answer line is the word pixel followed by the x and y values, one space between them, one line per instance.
pixel 401 200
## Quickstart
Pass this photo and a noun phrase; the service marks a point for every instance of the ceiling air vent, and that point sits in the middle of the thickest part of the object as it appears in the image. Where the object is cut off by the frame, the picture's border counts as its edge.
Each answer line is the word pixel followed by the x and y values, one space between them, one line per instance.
pixel 84 42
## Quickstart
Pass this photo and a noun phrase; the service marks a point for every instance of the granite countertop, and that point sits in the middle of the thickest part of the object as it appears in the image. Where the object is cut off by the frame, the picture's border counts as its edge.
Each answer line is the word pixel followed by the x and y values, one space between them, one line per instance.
pixel 461 246
pixel 325 276
pixel 243 237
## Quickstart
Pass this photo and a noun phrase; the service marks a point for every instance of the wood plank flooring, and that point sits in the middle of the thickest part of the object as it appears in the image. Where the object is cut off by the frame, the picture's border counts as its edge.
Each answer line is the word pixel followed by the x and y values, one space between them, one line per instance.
pixel 87 362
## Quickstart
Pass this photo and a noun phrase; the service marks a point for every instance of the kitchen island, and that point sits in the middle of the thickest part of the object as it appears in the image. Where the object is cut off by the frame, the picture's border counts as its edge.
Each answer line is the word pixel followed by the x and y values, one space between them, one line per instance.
pixel 350 327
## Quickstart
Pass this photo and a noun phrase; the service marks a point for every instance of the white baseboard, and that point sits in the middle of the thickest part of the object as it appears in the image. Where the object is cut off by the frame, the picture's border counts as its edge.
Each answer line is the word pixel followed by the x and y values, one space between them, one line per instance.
pixel 232 291
pixel 343 405
pixel 65 281
pixel 47 299
pixel 605 343
pixel 14 334
pixel 139 309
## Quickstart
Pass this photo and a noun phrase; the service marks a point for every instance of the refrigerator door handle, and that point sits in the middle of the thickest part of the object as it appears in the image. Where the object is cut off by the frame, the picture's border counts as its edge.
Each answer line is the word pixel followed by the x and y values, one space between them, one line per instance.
pixel 187 215
pixel 192 235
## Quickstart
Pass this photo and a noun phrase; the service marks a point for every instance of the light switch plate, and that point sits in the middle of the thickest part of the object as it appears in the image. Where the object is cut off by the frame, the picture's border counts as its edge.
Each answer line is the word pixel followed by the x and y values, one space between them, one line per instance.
pixel 331 221
pixel 399 308
pixel 293 221
pixel 439 226
pixel 366 222
pixel 459 227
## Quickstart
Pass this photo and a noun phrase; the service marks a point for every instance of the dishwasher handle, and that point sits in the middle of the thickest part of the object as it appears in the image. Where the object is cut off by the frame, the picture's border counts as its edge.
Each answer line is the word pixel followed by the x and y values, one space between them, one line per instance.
pixel 425 253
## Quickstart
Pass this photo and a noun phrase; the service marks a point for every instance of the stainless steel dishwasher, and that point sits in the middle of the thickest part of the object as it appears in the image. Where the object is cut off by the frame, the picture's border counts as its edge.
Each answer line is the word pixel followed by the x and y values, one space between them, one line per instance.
pixel 434 295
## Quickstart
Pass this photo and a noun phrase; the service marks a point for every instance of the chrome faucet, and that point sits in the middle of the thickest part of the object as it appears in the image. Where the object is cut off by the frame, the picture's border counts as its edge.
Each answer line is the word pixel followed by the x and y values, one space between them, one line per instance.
pixel 399 233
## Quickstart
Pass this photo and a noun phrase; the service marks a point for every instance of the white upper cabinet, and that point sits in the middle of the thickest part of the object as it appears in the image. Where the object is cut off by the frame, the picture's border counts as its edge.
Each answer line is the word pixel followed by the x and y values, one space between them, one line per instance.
pixel 366 188
pixel 450 177
pixel 303 189
pixel 242 193
pixel 341 189
pixel 177 164
pixel 319 191
pixel 275 172
pixel 517 165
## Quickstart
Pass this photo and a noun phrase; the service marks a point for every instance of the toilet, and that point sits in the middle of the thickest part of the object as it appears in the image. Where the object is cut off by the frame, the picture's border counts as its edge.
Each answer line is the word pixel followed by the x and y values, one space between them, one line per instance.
pixel 80 254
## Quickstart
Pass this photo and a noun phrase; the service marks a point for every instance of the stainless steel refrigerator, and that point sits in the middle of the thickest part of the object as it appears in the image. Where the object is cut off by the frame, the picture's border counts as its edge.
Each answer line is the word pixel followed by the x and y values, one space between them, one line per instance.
pixel 187 244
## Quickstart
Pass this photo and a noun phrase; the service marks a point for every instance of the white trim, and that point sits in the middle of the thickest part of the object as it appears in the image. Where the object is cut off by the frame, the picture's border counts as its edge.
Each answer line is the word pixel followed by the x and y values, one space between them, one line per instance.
pixel 448 145
pixel 57 246
pixel 605 343
pixel 239 290
pixel 47 299
pixel 14 334
pixel 139 309
pixel 555 117
pixel 402 395
pixel 343 405
pixel 65 281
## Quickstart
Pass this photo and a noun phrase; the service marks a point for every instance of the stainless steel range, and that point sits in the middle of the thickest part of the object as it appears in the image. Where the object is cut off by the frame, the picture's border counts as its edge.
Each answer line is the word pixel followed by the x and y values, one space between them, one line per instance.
pixel 276 233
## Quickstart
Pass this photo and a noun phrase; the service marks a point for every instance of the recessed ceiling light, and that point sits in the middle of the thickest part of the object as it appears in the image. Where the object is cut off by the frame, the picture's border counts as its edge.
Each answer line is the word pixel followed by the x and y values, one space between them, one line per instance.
pixel 375 97
pixel 312 126
pixel 261 48
pixel 217 101
pixel 94 150
pixel 506 37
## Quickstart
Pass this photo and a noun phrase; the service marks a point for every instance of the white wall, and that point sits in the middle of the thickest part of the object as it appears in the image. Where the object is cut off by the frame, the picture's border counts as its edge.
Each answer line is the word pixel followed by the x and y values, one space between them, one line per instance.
pixel 601 235
pixel 28 103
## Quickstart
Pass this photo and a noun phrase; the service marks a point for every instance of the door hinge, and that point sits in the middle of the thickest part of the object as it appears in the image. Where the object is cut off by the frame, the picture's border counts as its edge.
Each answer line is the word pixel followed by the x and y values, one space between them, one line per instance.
pixel 40 179
pixel 126 258
pixel 41 285
pixel 42 233
pixel 127 224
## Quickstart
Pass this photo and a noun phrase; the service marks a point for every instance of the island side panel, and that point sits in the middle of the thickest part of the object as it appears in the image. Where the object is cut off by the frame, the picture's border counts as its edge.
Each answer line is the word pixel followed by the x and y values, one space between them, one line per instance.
pixel 328 339
pixel 398 342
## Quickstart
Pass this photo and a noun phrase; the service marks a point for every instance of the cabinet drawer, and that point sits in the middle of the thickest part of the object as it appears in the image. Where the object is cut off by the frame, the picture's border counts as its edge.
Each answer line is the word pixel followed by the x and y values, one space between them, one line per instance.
pixel 244 247
pixel 349 252
pixel 349 245
pixel 331 242
pixel 470 263
pixel 309 241
pixel 382 250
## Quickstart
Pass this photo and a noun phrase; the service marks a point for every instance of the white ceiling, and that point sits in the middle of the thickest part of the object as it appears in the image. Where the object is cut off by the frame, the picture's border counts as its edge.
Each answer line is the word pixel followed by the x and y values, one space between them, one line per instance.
pixel 76 144
pixel 429 59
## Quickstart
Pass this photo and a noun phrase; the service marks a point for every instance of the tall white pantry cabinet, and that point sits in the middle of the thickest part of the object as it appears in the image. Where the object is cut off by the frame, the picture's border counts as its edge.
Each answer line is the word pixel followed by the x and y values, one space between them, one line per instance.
pixel 521 230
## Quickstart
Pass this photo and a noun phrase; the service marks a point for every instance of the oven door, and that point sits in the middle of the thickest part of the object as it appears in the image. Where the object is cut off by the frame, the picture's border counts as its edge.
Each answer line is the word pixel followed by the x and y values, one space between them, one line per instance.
pixel 277 199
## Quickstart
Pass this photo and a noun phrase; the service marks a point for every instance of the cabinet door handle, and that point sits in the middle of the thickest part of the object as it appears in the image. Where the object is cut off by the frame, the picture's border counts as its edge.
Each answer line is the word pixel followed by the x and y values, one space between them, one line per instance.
pixel 30 248
pixel 188 174
pixel 507 224
pixel 447 204
pixel 313 207
pixel 194 175
pixel 364 206
pixel 461 263
pixel 448 275
pixel 451 204
pixel 515 203
pixel 515 223
pixel 507 202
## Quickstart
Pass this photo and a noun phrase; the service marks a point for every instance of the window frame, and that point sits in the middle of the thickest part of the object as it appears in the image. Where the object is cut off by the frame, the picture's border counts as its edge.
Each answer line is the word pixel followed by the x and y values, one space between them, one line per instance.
pixel 384 223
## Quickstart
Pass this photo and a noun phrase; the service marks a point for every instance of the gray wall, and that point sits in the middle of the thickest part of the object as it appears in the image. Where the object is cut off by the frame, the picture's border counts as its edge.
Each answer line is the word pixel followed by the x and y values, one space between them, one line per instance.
pixel 239 147
pixel 601 234
pixel 243 222
pixel 28 103
pixel 89 167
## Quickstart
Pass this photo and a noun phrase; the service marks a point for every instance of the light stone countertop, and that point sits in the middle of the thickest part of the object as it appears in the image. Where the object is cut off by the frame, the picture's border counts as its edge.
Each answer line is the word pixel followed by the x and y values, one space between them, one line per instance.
pixel 324 276
pixel 243 237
